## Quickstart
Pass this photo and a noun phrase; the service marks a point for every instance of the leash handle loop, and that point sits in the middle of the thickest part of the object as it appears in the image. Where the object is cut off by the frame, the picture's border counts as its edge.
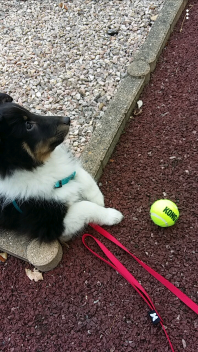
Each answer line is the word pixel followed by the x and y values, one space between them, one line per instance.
pixel 116 264
pixel 184 298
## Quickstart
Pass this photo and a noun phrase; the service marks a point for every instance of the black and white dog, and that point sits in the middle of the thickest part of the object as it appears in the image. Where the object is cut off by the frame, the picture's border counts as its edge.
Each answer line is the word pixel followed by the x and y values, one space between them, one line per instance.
pixel 44 191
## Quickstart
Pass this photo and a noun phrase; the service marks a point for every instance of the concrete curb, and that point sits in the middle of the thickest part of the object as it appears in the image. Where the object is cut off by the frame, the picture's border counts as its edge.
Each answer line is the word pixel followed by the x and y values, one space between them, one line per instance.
pixel 43 257
pixel 98 151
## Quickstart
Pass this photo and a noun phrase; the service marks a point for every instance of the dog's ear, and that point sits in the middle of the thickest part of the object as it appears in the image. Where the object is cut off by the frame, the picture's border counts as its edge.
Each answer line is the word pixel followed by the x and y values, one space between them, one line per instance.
pixel 5 98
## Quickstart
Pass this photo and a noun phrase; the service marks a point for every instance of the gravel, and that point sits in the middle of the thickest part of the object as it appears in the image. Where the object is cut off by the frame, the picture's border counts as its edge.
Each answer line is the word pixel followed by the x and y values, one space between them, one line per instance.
pixel 67 58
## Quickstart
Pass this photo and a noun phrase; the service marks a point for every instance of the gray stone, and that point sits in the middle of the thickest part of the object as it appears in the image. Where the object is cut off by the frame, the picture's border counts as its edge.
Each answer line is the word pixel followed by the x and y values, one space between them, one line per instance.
pixel 139 68
pixel 160 32
pixel 97 152
pixel 106 135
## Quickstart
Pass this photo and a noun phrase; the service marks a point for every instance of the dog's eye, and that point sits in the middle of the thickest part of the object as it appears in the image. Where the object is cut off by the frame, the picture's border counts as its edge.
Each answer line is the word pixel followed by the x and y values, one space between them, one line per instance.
pixel 29 125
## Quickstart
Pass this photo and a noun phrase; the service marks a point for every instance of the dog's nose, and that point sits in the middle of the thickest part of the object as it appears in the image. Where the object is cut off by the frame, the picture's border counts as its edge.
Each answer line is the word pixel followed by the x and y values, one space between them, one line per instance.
pixel 66 120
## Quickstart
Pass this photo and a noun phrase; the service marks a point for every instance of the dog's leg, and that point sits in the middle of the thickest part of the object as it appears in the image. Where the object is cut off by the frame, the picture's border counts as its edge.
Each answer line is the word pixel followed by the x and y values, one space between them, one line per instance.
pixel 82 213
pixel 90 189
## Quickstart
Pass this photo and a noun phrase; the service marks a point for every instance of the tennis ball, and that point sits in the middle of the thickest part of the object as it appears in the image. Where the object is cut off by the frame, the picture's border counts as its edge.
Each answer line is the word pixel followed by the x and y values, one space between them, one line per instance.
pixel 164 213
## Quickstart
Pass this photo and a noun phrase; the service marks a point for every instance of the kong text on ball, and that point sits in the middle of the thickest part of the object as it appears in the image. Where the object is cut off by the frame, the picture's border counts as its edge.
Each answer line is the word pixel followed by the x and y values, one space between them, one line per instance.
pixel 164 213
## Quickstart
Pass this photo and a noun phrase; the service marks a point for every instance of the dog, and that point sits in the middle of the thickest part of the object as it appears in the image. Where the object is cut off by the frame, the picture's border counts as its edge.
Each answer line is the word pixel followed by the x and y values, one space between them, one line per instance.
pixel 44 190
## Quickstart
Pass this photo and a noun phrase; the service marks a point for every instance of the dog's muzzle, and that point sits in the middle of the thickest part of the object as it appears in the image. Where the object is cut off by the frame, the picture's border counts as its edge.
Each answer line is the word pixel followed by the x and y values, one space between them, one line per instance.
pixel 66 121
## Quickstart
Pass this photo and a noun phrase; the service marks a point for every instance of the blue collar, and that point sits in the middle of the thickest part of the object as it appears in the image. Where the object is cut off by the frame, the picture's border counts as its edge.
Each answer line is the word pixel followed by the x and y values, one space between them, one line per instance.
pixel 58 184
pixel 64 181
pixel 16 206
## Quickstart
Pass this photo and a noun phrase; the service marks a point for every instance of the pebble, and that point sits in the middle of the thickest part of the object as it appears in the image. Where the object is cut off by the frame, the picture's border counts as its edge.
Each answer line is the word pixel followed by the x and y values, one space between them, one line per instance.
pixel 113 31
pixel 70 61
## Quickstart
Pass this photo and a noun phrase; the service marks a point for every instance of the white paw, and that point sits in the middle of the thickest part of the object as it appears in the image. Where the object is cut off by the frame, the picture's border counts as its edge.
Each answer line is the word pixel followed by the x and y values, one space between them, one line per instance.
pixel 112 217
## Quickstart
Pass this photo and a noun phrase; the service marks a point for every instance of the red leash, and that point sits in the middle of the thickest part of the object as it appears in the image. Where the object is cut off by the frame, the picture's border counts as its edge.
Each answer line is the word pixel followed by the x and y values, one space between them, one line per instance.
pixel 115 263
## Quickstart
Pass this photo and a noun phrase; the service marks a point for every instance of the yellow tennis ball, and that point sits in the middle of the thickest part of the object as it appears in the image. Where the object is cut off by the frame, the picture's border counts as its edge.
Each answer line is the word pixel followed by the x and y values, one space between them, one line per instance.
pixel 164 213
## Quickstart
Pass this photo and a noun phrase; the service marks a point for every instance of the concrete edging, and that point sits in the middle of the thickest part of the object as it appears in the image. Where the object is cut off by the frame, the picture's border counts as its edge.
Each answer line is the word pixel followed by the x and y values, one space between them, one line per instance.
pixel 106 135
pixel 98 151
pixel 43 256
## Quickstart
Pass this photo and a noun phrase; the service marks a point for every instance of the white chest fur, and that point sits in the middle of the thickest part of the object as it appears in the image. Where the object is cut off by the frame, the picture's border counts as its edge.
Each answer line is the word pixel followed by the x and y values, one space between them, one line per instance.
pixel 39 183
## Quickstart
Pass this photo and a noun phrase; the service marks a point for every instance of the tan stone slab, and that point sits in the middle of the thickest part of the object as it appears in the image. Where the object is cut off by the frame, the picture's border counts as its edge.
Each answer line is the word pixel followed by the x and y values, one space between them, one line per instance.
pixel 43 256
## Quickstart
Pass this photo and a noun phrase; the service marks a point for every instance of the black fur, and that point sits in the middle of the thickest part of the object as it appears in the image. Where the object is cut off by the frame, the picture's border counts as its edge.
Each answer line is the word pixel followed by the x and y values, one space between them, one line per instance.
pixel 42 220
pixel 25 138
pixel 18 127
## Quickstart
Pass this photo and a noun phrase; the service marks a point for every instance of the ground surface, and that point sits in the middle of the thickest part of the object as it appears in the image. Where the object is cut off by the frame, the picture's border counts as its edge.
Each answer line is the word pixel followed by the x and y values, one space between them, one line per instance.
pixel 60 60
pixel 84 305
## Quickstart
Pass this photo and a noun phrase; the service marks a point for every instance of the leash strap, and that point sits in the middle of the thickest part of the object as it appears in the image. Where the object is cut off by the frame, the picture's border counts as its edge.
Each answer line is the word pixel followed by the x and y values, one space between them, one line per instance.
pixel 115 264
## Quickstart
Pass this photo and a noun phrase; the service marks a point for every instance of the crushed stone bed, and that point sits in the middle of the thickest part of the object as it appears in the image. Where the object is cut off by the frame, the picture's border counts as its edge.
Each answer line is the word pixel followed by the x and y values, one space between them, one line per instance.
pixel 61 60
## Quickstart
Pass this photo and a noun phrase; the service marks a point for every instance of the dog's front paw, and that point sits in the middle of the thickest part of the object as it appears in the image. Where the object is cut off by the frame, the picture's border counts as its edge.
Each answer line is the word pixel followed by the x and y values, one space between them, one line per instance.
pixel 113 217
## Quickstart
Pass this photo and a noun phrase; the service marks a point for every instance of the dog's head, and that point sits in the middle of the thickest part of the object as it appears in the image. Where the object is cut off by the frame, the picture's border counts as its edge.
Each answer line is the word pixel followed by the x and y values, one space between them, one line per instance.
pixel 27 139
